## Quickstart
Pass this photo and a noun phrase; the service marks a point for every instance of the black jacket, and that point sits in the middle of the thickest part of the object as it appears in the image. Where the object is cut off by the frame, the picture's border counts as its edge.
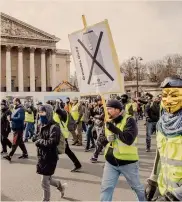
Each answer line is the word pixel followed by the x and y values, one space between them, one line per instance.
pixel 153 112
pixel 5 125
pixel 99 116
pixel 47 152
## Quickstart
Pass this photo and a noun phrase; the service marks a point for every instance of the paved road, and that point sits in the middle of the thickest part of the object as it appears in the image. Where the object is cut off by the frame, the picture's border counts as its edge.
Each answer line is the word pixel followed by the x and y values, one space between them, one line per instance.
pixel 19 181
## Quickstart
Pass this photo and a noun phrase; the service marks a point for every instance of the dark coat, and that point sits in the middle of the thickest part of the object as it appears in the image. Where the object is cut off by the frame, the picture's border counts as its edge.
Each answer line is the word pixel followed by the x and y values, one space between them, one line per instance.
pixel 47 152
pixel 153 112
pixel 18 118
pixel 5 125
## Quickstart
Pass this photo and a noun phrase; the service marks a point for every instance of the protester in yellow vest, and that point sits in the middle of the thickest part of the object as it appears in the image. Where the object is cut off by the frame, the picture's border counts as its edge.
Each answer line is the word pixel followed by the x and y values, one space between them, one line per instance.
pixel 165 182
pixel 63 118
pixel 29 122
pixel 127 104
pixel 121 153
pixel 77 114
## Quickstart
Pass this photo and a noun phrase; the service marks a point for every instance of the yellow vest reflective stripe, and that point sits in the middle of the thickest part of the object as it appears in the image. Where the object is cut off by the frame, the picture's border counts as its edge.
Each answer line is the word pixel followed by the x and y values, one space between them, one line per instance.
pixel 170 150
pixel 29 117
pixel 121 150
pixel 74 112
pixel 63 125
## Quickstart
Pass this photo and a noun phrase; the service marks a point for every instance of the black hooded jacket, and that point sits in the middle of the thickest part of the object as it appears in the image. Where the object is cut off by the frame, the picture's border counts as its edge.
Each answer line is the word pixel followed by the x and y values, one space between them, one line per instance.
pixel 47 142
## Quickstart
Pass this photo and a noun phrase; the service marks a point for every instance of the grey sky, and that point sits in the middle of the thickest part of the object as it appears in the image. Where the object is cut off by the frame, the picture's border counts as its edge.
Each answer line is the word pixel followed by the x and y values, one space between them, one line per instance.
pixel 147 29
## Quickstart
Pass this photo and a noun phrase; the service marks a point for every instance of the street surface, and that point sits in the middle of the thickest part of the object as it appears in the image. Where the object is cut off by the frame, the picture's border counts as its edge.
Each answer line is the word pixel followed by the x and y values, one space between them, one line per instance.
pixel 19 181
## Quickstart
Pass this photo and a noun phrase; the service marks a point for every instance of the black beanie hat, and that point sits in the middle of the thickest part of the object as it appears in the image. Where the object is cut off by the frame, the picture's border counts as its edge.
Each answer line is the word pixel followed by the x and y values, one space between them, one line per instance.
pixel 114 104
pixel 3 102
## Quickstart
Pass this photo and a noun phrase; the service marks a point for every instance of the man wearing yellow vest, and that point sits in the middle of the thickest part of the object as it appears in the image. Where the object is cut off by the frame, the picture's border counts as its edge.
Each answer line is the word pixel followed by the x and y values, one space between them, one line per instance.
pixel 165 182
pixel 77 114
pixel 121 153
pixel 62 117
pixel 127 104
pixel 29 122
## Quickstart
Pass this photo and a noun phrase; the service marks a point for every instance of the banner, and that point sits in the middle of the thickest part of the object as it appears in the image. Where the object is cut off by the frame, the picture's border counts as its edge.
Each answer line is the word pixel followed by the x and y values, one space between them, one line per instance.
pixel 95 59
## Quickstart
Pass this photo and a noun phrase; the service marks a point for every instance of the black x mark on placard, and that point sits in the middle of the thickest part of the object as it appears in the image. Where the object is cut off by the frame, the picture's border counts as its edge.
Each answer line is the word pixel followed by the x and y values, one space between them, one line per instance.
pixel 94 60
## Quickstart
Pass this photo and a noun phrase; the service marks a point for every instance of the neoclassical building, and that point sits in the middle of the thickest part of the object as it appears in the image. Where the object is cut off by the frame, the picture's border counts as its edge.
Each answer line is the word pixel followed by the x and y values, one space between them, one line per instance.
pixel 29 58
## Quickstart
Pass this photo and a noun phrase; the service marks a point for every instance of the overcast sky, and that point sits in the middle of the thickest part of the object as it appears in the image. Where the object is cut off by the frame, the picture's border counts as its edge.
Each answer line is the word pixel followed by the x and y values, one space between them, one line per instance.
pixel 147 29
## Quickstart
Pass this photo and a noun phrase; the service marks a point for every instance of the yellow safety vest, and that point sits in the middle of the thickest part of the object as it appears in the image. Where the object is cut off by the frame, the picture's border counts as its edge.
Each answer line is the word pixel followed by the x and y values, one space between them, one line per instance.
pixel 63 125
pixel 134 105
pixel 127 107
pixel 29 117
pixel 121 150
pixel 170 150
pixel 74 112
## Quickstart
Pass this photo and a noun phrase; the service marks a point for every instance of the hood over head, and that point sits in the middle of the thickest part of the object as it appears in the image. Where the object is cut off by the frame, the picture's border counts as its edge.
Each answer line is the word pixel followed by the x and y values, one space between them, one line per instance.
pixel 49 111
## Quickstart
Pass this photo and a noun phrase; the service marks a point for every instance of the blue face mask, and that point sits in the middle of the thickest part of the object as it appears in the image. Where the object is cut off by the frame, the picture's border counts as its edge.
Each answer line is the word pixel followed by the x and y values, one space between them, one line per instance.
pixel 43 120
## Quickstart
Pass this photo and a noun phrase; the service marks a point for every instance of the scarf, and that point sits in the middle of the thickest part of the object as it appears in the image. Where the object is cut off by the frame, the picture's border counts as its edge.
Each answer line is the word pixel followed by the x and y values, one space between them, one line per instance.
pixel 170 124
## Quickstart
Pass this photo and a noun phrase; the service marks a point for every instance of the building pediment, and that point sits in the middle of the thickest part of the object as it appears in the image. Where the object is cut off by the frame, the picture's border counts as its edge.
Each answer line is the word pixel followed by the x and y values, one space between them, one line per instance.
pixel 13 28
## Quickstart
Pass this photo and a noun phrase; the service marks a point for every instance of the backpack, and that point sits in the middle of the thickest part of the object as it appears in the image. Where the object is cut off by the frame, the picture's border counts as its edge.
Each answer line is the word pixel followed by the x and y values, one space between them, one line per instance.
pixel 61 147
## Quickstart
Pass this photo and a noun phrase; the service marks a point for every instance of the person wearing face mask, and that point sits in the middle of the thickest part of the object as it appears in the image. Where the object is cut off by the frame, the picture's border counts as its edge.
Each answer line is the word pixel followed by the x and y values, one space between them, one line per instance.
pixel 121 152
pixel 165 182
pixel 127 104
pixel 68 105
pixel 17 122
pixel 5 127
pixel 47 142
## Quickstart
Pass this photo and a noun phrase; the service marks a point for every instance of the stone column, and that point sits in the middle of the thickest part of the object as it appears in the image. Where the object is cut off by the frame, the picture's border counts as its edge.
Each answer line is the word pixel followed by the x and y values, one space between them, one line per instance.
pixel 53 80
pixel 43 70
pixel 8 68
pixel 20 69
pixel 49 68
pixel 32 69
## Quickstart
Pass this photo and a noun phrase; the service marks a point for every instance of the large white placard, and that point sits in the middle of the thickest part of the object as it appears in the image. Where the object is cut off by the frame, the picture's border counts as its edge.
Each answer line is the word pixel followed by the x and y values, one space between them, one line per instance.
pixel 95 59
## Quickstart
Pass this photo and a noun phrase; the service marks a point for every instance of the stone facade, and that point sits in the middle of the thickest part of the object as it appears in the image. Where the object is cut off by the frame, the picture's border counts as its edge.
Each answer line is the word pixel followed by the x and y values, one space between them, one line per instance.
pixel 29 58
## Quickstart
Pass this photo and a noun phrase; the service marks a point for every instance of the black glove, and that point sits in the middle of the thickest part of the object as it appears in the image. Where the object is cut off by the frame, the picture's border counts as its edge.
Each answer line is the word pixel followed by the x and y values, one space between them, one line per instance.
pixel 37 143
pixel 170 197
pixel 110 126
pixel 150 189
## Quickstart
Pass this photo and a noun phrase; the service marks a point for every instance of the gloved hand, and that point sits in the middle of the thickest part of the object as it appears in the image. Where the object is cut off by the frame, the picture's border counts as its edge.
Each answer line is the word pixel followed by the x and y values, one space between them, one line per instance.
pixel 150 189
pixel 110 126
pixel 111 138
pixel 170 197
pixel 34 138
pixel 37 143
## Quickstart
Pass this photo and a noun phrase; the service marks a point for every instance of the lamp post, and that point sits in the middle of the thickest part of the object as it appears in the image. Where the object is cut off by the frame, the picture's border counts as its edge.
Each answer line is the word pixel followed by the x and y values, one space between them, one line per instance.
pixel 137 59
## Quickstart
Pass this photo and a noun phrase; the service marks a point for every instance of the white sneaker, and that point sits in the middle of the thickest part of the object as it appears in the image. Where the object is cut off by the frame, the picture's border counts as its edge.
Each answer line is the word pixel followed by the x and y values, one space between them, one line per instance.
pixel 62 189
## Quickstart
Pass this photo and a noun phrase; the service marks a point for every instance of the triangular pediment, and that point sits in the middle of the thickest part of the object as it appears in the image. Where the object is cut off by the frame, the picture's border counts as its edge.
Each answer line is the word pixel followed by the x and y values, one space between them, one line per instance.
pixel 12 27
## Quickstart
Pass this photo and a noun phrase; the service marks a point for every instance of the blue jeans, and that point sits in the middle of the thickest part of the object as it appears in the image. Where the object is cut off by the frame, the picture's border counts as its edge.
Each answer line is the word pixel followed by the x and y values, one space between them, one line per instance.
pixel 110 178
pixel 29 129
pixel 89 136
pixel 150 129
